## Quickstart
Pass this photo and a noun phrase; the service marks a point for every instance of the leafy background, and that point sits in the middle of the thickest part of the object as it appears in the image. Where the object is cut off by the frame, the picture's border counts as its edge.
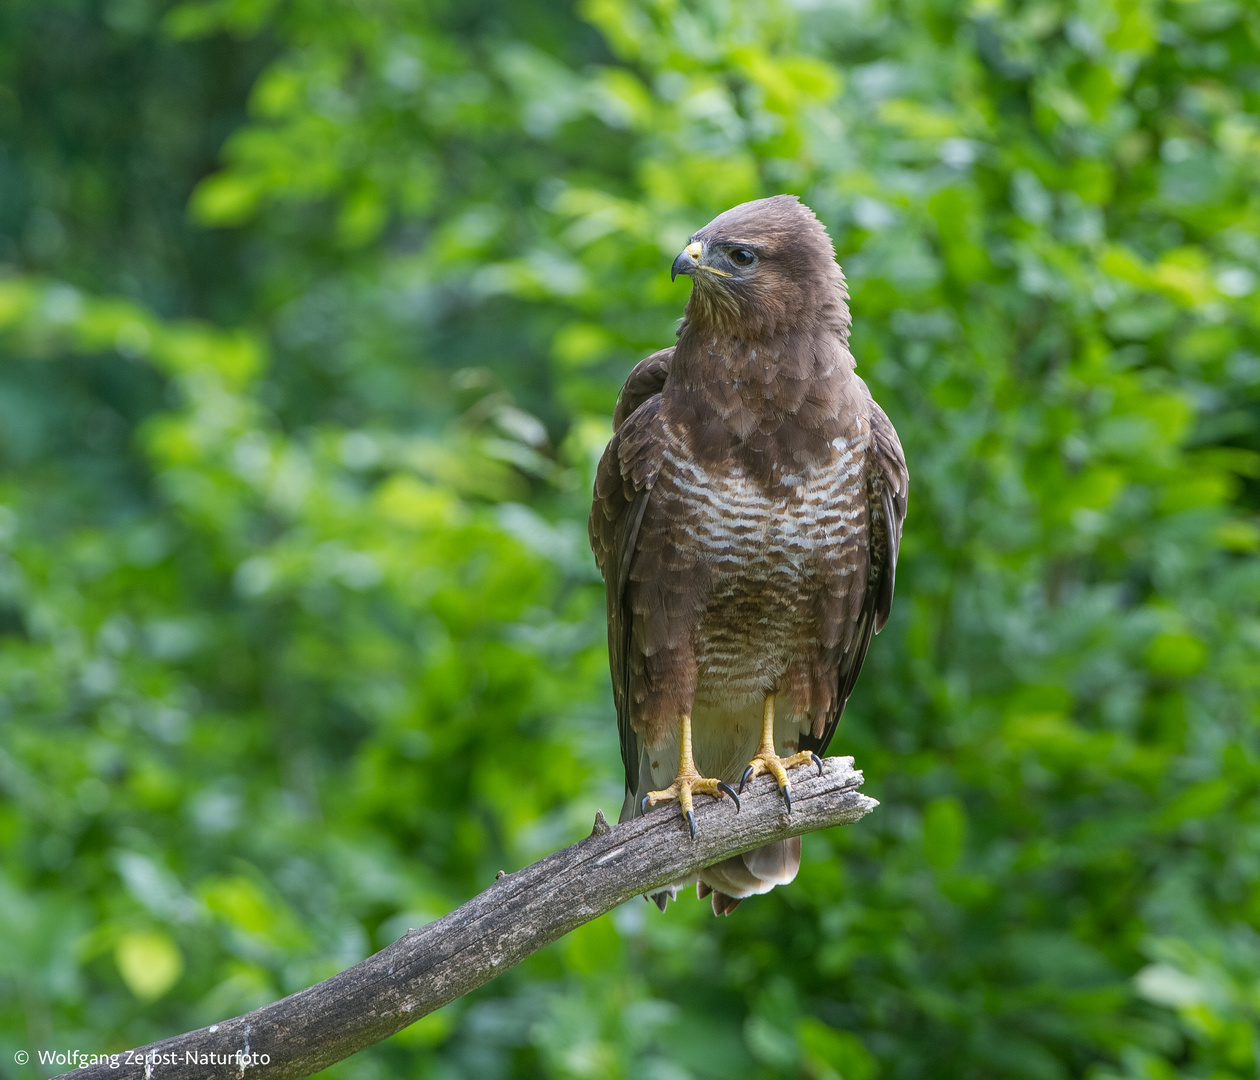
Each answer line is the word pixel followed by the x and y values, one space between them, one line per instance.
pixel 312 316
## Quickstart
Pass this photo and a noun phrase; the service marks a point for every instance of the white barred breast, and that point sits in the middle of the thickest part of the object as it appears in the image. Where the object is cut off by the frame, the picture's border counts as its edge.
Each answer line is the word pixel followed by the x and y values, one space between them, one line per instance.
pixel 769 552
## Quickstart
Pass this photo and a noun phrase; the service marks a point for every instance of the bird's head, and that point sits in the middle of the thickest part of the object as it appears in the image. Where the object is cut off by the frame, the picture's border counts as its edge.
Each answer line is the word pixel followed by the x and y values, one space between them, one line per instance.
pixel 763 268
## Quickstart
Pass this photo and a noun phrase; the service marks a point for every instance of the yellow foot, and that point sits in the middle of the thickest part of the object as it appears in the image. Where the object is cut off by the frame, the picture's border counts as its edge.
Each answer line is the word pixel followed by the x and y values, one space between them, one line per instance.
pixel 684 786
pixel 767 761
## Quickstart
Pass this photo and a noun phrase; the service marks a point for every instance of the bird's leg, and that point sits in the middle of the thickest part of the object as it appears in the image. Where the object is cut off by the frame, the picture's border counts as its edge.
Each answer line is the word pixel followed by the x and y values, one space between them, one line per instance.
pixel 766 760
pixel 688 781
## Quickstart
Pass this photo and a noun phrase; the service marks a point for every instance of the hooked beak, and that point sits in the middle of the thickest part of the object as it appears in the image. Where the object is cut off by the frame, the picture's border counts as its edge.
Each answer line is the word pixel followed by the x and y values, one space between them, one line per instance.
pixel 687 261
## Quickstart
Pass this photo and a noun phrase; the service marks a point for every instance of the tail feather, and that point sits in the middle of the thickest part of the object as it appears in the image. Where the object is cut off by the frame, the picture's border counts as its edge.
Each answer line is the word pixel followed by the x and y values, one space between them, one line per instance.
pixel 755 872
pixel 776 863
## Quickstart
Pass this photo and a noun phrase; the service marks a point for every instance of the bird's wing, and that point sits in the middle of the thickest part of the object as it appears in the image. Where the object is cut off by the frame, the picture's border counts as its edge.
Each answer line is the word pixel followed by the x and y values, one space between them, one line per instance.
pixel 887 488
pixel 645 381
pixel 623 484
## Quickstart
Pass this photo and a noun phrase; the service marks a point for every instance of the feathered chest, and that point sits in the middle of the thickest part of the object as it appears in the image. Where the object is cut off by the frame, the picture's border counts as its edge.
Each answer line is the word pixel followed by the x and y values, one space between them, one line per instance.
pixel 767 554
pixel 746 530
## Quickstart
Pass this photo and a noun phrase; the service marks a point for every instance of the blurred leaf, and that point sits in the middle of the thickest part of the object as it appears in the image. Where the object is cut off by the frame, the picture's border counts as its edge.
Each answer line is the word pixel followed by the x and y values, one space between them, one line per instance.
pixel 149 962
pixel 944 831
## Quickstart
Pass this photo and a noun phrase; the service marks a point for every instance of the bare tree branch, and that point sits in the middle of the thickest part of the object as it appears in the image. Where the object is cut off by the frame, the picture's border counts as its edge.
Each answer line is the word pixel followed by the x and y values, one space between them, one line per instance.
pixel 516 916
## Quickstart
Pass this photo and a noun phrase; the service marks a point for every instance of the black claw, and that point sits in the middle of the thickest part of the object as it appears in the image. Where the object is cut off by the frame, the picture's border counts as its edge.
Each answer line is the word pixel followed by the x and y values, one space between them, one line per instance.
pixel 786 792
pixel 731 792
pixel 747 776
pixel 817 761
pixel 661 900
pixel 691 822
pixel 643 807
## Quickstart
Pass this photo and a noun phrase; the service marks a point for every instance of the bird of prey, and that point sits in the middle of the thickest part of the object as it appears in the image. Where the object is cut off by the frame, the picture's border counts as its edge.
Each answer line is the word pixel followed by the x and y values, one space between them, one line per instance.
pixel 746 520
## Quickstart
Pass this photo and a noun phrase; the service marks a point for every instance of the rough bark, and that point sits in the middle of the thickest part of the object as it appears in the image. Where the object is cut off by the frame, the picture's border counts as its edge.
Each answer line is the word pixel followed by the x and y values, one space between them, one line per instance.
pixel 516 916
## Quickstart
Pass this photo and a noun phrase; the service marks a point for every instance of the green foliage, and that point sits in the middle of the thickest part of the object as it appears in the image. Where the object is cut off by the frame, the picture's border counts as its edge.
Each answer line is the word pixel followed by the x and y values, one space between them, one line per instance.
pixel 299 638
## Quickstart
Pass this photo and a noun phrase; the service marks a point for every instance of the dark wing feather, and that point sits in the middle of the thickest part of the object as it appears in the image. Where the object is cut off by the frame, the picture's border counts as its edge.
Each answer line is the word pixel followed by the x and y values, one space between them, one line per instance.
pixel 889 492
pixel 645 381
pixel 623 484
pixel 887 488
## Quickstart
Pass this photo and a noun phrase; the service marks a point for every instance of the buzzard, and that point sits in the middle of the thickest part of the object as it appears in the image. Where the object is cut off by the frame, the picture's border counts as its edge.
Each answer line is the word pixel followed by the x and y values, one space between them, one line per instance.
pixel 746 520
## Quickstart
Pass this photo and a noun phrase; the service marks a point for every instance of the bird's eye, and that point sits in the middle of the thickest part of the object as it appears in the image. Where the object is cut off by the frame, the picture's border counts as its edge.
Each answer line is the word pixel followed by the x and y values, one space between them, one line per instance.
pixel 742 257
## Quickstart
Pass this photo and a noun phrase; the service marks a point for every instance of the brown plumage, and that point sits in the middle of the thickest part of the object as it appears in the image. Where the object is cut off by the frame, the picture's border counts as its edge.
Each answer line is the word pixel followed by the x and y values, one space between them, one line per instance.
pixel 746 519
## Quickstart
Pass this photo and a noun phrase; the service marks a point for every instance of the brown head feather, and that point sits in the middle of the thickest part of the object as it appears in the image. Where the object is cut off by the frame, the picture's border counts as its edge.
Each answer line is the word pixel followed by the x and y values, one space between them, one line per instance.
pixel 793 283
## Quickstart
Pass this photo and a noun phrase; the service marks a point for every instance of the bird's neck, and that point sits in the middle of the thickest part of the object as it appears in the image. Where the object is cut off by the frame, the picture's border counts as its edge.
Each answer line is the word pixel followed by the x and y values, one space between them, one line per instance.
pixel 765 374
pixel 776 404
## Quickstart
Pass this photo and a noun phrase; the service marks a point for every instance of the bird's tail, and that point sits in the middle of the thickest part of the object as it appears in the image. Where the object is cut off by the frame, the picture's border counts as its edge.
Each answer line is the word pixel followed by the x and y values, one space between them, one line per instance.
pixel 750 874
